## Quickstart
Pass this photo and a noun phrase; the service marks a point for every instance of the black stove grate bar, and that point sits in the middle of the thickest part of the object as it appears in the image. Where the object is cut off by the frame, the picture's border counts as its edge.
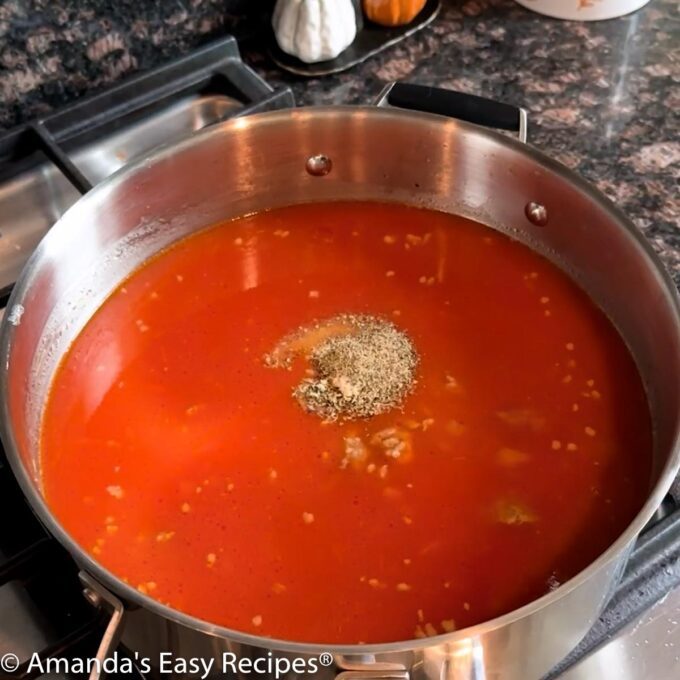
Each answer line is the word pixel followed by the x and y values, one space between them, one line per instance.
pixel 53 151
pixel 279 99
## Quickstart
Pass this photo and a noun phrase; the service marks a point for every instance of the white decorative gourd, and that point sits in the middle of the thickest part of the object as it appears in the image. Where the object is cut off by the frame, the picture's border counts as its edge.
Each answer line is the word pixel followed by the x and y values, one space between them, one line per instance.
pixel 314 30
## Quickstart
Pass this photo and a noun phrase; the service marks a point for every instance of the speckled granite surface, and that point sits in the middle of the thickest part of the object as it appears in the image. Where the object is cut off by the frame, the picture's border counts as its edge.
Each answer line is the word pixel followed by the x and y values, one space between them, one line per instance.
pixel 603 97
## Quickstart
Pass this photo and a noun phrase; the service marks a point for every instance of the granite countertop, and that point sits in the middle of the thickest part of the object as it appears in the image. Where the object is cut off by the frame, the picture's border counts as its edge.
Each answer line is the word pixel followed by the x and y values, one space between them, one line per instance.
pixel 603 97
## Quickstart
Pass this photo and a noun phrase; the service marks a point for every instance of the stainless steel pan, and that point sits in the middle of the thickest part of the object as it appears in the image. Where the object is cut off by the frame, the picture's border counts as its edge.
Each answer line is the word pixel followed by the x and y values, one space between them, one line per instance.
pixel 319 154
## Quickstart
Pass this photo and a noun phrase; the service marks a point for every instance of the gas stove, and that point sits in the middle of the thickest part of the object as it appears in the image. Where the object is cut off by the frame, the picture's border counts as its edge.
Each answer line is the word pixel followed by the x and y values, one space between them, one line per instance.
pixel 43 168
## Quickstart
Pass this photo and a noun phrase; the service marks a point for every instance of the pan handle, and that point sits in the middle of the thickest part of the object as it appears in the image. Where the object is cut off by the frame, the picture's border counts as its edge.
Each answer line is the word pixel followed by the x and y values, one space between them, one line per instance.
pixel 100 597
pixel 468 107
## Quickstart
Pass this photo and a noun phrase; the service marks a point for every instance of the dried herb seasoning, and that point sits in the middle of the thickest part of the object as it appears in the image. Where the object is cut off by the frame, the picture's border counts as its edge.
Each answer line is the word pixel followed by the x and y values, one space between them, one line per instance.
pixel 360 366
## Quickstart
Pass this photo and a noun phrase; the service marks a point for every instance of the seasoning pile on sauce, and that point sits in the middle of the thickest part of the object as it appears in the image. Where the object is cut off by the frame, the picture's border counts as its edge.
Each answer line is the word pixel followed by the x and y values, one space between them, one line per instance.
pixel 514 449
pixel 360 366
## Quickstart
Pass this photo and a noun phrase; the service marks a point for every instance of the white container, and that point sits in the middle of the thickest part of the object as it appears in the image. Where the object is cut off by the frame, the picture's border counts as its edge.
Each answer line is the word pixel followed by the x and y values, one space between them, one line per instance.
pixel 583 10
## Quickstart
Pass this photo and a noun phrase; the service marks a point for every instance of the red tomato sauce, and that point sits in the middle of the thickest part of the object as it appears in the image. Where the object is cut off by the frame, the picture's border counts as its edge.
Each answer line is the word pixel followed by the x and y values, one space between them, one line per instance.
pixel 184 465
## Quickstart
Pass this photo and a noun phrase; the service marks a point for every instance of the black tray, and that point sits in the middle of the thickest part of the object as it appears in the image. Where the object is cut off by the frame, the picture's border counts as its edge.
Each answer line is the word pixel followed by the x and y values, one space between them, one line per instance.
pixel 370 40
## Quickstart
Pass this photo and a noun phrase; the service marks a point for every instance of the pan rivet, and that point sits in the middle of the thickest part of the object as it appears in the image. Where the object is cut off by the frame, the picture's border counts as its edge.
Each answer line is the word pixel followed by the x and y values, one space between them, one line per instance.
pixel 319 165
pixel 92 597
pixel 536 213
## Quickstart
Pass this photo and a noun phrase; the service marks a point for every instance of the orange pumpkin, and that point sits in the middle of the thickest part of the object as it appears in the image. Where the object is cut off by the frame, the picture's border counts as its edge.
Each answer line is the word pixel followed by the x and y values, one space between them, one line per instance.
pixel 392 12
